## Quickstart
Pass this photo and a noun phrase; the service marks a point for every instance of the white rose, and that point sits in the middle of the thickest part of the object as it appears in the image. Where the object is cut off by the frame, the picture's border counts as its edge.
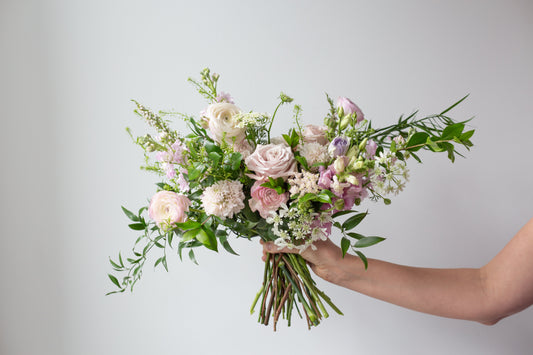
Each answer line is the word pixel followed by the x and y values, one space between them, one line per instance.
pixel 221 122
pixel 271 160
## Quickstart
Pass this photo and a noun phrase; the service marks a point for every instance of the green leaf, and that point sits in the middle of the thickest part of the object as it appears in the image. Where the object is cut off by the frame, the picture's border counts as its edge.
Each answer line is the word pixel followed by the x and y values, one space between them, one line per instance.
pixel 188 225
pixel 416 141
pixel 215 157
pixel 130 214
pixel 393 146
pixel 363 258
pixel 194 173
pixel 235 159
pixel 356 235
pixel 137 226
pixel 207 238
pixel 224 241
pixel 354 221
pixel 115 265
pixel 164 262
pixel 114 280
pixel 213 148
pixel 368 241
pixel 302 161
pixel 341 213
pixel 158 261
pixel 466 135
pixel 190 235
pixel 434 147
pixel 453 130
pixel 455 104
pixel 192 257
pixel 345 245
pixel 416 157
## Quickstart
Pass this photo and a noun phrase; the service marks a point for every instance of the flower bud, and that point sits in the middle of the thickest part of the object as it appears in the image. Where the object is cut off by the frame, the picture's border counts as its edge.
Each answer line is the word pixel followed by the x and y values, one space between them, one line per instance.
pixel 352 180
pixel 340 111
pixel 339 204
pixel 339 165
pixel 345 121
pixel 353 152
pixel 362 145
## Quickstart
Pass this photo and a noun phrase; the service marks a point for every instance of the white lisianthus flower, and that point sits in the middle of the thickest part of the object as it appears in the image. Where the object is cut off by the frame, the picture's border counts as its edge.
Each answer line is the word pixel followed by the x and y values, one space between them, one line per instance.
pixel 222 124
pixel 223 199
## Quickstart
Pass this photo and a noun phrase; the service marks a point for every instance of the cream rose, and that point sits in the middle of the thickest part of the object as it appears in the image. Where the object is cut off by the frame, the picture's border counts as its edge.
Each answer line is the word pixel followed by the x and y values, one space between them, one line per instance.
pixel 271 160
pixel 167 208
pixel 221 122
pixel 313 133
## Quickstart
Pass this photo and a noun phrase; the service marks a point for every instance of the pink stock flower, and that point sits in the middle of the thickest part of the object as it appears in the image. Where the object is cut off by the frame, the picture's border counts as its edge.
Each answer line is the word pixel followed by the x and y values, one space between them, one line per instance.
pixel 349 107
pixel 371 148
pixel 266 200
pixel 167 208
pixel 224 97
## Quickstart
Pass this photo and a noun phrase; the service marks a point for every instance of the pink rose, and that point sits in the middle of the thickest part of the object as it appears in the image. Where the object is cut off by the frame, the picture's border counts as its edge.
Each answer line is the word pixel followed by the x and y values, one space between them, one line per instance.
pixel 167 208
pixel 271 160
pixel 313 133
pixel 349 107
pixel 265 200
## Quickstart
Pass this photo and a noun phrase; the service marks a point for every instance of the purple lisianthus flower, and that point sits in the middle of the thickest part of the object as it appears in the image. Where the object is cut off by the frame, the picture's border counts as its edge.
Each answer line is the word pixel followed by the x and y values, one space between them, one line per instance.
pixel 338 146
pixel 349 107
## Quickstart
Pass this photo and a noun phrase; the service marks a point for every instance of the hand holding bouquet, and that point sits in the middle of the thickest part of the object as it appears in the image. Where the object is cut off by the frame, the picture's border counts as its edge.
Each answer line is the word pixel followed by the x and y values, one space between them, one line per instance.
pixel 229 178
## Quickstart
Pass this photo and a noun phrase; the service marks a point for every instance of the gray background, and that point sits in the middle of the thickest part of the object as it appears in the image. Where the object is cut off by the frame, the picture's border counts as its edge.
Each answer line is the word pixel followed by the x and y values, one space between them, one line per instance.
pixel 68 70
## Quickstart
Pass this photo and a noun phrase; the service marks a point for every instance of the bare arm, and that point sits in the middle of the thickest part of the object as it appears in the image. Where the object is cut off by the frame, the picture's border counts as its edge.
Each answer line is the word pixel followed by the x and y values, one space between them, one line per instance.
pixel 502 287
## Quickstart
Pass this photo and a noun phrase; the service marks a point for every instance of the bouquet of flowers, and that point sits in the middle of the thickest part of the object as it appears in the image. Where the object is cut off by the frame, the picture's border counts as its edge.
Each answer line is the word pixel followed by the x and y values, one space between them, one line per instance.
pixel 230 177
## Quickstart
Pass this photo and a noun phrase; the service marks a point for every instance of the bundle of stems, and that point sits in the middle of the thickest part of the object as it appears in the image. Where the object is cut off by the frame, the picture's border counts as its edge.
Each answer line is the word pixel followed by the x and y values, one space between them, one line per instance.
pixel 287 283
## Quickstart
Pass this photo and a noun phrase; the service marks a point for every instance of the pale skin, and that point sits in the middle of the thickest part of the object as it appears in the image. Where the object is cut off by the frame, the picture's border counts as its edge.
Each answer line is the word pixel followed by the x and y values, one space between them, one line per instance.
pixel 502 287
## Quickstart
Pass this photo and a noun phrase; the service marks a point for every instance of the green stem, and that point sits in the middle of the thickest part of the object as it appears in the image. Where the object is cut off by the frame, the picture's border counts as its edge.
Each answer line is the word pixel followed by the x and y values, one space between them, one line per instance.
pixel 272 120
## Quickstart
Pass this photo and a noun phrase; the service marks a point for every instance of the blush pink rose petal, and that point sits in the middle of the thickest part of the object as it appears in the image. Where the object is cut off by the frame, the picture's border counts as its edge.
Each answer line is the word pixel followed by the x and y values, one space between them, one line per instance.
pixel 265 200
pixel 271 160
pixel 168 208
pixel 315 134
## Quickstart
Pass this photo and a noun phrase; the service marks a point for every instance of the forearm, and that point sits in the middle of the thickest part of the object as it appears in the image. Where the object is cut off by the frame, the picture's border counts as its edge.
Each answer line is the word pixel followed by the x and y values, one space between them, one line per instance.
pixel 453 293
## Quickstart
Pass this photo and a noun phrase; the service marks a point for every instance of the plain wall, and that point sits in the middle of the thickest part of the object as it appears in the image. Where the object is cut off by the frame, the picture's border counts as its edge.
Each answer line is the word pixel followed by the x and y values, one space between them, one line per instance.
pixel 68 70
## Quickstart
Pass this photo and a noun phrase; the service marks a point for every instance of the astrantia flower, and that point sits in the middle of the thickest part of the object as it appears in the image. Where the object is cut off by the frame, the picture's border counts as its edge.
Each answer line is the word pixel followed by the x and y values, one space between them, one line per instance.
pixel 167 208
pixel 223 198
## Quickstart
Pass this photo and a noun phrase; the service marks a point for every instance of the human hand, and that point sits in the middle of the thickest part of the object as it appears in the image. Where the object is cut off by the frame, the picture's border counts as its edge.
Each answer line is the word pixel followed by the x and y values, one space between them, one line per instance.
pixel 326 261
